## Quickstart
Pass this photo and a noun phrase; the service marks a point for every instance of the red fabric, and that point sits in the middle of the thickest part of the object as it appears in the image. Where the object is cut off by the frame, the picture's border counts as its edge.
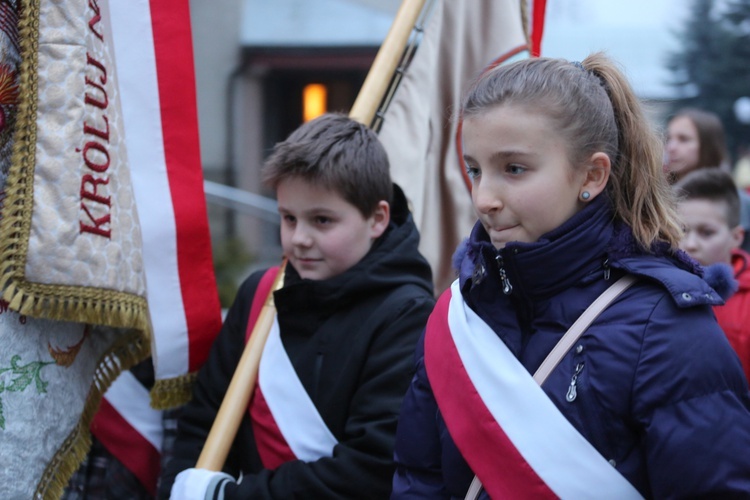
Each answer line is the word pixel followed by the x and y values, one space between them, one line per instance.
pixel 488 451
pixel 734 316
pixel 537 27
pixel 264 287
pixel 116 434
pixel 272 447
pixel 173 50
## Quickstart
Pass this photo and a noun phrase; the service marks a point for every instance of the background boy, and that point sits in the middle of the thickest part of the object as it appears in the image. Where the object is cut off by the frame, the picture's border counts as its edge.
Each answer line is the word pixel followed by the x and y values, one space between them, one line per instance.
pixel 710 211
pixel 356 296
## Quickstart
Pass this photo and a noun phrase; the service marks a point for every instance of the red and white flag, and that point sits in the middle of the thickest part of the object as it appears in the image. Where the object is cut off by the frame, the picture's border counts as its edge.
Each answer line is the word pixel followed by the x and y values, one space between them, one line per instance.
pixel 153 48
pixel 421 127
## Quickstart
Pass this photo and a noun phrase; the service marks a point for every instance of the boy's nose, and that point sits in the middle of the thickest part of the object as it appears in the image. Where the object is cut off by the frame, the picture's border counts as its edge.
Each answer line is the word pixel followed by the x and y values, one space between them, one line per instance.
pixel 301 237
pixel 689 242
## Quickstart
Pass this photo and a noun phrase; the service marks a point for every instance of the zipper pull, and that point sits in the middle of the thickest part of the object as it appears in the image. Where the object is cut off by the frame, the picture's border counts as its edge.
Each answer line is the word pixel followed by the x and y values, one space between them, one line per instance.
pixel 606 269
pixel 572 392
pixel 507 287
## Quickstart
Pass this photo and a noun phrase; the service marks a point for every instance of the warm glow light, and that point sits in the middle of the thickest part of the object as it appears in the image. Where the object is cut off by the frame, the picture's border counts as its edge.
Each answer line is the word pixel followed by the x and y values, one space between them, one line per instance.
pixel 314 97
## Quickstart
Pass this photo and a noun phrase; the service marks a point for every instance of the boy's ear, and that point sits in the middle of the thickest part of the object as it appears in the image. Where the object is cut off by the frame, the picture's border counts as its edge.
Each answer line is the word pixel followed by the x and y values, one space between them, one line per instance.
pixel 380 219
pixel 597 174
pixel 738 235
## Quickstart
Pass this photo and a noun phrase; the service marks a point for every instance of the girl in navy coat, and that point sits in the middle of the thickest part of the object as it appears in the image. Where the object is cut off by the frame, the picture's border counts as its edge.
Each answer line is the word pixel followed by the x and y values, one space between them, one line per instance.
pixel 650 401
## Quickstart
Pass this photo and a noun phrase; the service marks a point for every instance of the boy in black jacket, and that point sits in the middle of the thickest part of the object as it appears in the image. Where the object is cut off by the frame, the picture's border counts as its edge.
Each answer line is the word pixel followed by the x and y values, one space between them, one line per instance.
pixel 355 298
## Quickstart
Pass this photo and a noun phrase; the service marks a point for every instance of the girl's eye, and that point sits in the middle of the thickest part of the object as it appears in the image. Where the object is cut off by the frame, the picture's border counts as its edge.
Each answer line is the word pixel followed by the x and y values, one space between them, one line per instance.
pixel 322 220
pixel 472 172
pixel 289 219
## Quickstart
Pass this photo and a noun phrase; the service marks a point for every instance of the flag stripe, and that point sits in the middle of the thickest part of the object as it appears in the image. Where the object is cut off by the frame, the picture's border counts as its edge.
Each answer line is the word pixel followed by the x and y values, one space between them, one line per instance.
pixel 130 398
pixel 537 27
pixel 142 459
pixel 136 67
pixel 177 95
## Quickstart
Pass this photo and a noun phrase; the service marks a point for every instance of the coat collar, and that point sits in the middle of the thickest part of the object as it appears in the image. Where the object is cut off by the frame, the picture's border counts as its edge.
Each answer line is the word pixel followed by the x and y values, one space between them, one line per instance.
pixel 583 249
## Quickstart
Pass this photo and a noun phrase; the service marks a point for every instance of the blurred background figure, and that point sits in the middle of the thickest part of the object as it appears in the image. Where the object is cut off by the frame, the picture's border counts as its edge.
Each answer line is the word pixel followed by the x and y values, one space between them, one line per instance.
pixel 696 140
pixel 709 207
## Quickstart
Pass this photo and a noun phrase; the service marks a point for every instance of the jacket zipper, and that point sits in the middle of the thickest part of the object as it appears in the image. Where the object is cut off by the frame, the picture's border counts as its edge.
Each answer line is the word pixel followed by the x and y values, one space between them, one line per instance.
pixel 572 389
pixel 507 287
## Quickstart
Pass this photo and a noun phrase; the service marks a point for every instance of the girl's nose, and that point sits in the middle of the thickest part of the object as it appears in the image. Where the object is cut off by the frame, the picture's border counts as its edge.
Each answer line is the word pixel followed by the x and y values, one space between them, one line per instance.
pixel 670 146
pixel 487 197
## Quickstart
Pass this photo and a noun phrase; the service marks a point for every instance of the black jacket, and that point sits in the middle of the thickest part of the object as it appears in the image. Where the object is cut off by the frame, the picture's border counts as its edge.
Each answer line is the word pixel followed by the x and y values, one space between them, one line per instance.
pixel 351 340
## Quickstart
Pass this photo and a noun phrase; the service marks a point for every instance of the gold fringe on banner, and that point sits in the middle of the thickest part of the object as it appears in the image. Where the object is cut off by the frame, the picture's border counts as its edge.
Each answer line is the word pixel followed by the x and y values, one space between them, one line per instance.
pixel 128 351
pixel 172 392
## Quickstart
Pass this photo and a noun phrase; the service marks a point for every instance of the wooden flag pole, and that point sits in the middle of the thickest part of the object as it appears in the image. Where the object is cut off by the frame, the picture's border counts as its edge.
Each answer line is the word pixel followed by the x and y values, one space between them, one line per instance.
pixel 237 398
pixel 235 403
pixel 386 61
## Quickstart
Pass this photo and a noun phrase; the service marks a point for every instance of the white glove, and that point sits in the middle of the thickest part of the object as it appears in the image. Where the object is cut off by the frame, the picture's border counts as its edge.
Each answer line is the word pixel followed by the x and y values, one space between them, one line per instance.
pixel 199 484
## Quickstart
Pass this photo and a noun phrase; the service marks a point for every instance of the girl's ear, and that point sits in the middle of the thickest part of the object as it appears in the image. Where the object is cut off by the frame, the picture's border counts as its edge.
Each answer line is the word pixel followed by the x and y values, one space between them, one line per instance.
pixel 380 219
pixel 596 175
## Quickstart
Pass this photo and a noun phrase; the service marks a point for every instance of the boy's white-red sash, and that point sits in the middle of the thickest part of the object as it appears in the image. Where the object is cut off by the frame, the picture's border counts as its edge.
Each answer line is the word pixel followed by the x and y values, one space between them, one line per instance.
pixel 286 424
pixel 510 433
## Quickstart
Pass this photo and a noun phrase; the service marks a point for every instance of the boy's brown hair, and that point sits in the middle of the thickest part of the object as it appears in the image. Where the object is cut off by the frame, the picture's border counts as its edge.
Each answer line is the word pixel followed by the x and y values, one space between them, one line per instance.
pixel 337 153
pixel 715 185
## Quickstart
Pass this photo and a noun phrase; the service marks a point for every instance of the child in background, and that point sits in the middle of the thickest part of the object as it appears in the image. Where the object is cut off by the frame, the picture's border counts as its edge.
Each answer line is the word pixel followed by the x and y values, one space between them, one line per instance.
pixel 651 401
pixel 710 212
pixel 695 140
pixel 355 298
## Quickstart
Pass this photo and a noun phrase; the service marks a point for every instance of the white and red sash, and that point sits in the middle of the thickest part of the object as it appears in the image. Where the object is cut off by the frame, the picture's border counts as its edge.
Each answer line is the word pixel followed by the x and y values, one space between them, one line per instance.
pixel 286 424
pixel 510 433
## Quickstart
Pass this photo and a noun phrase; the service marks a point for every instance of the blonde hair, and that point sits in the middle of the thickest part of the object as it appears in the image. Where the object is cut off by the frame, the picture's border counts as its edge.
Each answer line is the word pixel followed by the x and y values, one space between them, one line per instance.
pixel 595 109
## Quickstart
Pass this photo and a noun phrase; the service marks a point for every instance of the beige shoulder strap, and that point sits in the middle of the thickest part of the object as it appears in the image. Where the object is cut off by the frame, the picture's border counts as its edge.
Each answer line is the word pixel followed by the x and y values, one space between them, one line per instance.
pixel 565 343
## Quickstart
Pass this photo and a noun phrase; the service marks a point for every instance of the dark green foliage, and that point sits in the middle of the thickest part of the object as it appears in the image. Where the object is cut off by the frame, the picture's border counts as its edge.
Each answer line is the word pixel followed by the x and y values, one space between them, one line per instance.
pixel 231 260
pixel 711 69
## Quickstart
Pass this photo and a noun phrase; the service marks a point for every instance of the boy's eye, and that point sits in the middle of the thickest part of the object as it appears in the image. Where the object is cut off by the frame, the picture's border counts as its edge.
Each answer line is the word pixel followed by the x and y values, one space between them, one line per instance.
pixel 322 219
pixel 289 218
pixel 515 169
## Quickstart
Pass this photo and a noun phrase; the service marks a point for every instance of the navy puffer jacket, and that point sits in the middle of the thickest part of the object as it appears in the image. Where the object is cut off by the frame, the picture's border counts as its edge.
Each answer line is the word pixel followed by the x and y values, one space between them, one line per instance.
pixel 661 395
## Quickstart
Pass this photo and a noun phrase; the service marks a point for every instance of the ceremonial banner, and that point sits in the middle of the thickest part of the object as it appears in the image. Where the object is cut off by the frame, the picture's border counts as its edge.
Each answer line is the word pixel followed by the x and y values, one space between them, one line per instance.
pixel 71 269
pixel 421 127
pixel 72 265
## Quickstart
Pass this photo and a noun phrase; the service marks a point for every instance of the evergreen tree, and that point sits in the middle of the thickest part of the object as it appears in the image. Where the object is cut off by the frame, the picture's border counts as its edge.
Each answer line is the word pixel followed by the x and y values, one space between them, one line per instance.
pixel 711 69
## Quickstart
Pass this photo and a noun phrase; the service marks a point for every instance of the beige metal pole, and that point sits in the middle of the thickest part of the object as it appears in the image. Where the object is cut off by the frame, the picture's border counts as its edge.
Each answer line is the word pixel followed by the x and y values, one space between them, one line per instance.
pixel 237 398
pixel 386 61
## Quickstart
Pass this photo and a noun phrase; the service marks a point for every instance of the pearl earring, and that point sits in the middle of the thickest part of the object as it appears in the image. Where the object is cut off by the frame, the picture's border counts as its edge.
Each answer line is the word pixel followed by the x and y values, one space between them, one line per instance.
pixel 585 195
